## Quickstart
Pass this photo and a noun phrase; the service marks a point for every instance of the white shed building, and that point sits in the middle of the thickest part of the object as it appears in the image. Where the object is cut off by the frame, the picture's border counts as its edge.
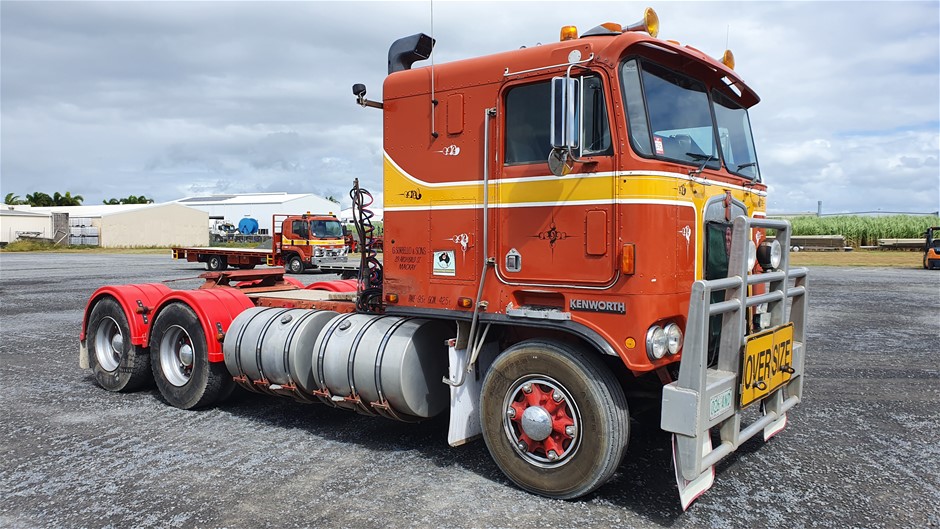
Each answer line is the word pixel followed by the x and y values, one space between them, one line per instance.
pixel 132 225
pixel 260 206
pixel 15 224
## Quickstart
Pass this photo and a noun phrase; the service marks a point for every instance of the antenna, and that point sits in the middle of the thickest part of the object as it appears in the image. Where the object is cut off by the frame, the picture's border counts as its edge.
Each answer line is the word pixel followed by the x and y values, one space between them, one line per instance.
pixel 728 37
pixel 433 99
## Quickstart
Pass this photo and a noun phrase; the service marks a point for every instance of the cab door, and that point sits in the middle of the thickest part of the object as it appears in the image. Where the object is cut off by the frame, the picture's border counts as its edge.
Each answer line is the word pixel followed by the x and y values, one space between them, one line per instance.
pixel 555 230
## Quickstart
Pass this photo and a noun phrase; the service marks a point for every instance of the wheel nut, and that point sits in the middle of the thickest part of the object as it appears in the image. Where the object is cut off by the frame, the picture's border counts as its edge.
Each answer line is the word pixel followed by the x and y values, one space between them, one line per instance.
pixel 552 455
pixel 556 396
pixel 522 446
pixel 569 430
pixel 527 388
pixel 511 413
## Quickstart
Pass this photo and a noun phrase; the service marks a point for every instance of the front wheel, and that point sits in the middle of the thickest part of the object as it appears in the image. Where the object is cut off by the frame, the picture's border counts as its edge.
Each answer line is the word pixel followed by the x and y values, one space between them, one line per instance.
pixel 554 418
pixel 295 265
pixel 118 364
pixel 180 359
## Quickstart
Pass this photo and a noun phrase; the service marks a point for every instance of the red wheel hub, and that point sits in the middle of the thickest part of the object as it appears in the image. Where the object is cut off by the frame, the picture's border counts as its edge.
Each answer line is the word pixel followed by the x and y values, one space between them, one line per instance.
pixel 541 421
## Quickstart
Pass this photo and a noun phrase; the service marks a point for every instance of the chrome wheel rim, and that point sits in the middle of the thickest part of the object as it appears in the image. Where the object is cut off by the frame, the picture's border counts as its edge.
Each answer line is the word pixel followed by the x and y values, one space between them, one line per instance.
pixel 109 344
pixel 541 421
pixel 177 356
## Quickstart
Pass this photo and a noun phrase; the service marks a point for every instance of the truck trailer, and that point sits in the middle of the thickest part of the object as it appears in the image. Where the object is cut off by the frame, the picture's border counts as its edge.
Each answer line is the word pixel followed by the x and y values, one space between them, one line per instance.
pixel 575 233
pixel 299 242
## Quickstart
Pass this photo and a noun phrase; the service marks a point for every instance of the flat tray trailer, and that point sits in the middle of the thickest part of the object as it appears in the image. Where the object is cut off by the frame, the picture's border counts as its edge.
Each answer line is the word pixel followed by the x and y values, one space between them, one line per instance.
pixel 248 258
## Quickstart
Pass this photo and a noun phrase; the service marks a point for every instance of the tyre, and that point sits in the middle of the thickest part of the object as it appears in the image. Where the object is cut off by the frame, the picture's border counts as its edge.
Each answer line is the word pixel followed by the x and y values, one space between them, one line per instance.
pixel 216 263
pixel 554 418
pixel 295 265
pixel 926 264
pixel 180 360
pixel 246 267
pixel 118 364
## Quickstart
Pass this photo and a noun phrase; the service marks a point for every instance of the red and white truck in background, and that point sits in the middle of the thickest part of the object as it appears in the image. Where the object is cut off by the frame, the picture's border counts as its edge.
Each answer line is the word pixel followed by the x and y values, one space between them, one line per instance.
pixel 299 242
pixel 574 234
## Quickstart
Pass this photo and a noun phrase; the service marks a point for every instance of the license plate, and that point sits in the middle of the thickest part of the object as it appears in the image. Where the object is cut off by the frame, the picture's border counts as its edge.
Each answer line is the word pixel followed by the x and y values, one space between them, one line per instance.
pixel 766 366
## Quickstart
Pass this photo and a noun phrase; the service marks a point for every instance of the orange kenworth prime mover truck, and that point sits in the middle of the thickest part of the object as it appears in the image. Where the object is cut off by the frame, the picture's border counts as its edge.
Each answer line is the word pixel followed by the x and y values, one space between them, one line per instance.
pixel 574 234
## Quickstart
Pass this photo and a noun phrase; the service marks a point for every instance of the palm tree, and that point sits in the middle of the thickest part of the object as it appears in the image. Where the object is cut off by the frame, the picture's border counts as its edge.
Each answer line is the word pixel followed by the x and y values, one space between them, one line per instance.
pixel 39 199
pixel 13 200
pixel 111 202
pixel 67 199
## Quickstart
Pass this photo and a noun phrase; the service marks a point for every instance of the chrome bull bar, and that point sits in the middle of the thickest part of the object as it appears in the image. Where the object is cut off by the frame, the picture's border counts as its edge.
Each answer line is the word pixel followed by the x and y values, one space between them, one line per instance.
pixel 705 397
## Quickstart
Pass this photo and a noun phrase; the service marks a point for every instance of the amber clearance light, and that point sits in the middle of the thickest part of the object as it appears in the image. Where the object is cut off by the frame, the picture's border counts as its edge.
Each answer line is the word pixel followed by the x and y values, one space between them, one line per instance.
pixel 728 59
pixel 569 33
pixel 628 259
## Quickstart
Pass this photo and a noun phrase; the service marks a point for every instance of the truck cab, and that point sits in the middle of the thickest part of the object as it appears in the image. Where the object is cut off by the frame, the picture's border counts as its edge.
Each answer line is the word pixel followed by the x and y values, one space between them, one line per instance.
pixel 306 241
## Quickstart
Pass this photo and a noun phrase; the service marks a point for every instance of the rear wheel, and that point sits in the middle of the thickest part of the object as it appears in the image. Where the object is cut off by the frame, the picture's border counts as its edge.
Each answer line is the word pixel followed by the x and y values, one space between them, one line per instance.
pixel 216 263
pixel 118 364
pixel 554 418
pixel 295 265
pixel 180 361
pixel 246 267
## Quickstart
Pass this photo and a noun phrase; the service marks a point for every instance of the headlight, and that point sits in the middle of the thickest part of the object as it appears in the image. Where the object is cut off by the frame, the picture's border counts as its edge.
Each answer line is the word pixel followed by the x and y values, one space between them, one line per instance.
pixel 769 255
pixel 656 342
pixel 751 255
pixel 673 338
pixel 318 252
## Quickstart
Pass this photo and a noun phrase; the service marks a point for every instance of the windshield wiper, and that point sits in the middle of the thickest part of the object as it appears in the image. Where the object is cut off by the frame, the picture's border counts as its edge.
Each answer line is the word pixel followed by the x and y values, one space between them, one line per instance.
pixel 704 158
pixel 744 165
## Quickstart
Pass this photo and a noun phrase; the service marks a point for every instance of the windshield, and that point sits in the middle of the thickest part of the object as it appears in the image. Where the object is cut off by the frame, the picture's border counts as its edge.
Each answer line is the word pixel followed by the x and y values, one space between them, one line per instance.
pixel 326 229
pixel 670 118
pixel 734 130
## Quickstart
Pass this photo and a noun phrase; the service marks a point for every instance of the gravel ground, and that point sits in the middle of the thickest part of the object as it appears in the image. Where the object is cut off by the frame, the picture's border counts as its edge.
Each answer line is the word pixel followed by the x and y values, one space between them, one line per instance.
pixel 862 450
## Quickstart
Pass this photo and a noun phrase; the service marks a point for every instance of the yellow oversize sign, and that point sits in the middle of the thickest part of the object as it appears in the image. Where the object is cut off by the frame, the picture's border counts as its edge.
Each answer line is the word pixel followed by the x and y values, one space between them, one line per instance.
pixel 767 361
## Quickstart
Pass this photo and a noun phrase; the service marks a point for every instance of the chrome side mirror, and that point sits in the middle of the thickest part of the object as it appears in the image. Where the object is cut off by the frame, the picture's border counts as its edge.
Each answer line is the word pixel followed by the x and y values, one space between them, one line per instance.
pixel 566 115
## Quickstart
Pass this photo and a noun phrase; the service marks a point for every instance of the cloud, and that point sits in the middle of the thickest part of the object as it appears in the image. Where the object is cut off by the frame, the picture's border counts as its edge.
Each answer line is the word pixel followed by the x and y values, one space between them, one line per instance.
pixel 173 98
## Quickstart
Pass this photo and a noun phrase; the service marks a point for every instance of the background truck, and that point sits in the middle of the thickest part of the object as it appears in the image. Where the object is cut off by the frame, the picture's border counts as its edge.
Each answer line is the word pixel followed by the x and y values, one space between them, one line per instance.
pixel 299 242
pixel 574 235
pixel 932 248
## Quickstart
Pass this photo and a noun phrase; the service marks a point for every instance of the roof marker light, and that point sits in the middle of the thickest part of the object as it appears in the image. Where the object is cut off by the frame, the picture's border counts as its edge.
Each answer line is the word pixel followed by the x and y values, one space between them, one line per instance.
pixel 569 33
pixel 728 59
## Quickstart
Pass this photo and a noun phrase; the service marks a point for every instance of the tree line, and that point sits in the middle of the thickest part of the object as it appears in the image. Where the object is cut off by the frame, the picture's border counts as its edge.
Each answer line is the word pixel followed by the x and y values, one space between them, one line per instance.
pixel 40 199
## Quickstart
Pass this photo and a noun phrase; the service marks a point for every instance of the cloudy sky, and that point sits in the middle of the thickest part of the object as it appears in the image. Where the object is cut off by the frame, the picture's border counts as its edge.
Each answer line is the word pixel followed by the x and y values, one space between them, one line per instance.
pixel 173 99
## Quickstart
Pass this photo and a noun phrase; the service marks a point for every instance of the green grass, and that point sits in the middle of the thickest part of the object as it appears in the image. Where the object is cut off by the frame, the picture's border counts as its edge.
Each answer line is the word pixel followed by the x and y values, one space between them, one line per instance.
pixel 45 246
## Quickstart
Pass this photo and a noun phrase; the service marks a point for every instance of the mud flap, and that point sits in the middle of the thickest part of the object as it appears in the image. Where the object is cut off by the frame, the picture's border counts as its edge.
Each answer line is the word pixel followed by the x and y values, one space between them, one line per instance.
pixel 774 403
pixel 464 412
pixel 690 490
pixel 83 361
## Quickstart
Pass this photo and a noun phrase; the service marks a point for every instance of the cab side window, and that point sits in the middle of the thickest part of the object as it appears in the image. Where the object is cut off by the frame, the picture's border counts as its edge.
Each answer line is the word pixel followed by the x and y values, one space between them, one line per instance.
pixel 528 121
pixel 299 227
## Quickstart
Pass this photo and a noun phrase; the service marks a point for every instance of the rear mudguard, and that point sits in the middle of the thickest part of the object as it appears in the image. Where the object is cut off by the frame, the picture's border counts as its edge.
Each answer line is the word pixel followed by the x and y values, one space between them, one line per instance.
pixel 215 308
pixel 137 301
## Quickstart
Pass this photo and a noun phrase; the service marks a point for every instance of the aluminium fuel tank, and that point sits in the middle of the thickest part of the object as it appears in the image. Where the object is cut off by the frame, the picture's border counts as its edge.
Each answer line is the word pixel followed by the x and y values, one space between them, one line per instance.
pixel 396 361
pixel 404 359
pixel 274 344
